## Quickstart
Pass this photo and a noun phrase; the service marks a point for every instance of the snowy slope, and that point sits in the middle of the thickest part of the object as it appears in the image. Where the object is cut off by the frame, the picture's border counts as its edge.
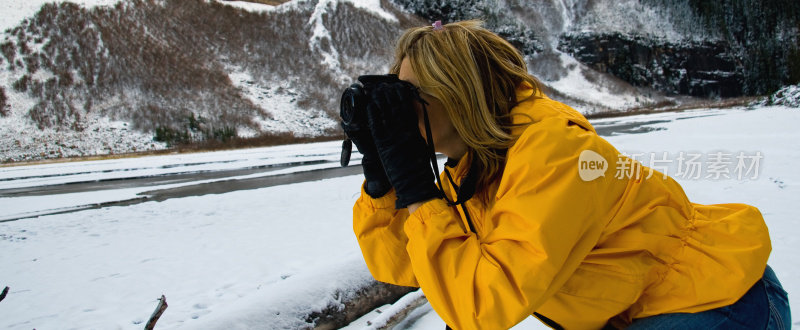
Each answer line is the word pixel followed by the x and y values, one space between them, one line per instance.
pixel 22 140
pixel 280 73
pixel 269 256
pixel 104 269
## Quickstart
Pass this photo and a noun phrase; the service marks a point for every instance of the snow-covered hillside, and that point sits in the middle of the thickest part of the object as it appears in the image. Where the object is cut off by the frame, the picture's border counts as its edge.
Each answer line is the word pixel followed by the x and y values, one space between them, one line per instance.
pixel 180 71
pixel 262 70
pixel 89 77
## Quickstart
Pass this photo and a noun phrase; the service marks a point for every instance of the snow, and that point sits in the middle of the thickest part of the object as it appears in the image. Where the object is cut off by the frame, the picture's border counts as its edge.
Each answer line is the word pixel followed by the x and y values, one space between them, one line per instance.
pixel 30 206
pixel 788 96
pixel 269 256
pixel 82 171
pixel 285 306
pixel 252 6
pixel 279 101
pixel 632 17
pixel 15 11
pixel 387 312
pixel 321 40
pixel 372 6
pixel 576 85
pixel 289 159
pixel 104 268
pixel 21 140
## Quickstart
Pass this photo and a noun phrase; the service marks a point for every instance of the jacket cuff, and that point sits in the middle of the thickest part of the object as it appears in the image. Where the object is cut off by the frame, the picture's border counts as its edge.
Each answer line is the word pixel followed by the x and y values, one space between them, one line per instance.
pixel 386 201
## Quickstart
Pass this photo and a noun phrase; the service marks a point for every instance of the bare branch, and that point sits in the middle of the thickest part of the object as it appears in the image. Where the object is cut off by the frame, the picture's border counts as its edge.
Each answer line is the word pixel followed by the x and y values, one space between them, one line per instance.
pixel 3 294
pixel 162 306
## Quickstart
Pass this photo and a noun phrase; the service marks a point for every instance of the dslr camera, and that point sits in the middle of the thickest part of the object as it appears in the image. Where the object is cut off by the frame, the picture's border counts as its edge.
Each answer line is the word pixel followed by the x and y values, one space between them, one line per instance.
pixel 353 109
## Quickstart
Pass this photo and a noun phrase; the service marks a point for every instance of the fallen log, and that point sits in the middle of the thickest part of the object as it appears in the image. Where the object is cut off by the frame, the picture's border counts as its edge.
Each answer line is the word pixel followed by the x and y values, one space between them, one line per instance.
pixel 364 301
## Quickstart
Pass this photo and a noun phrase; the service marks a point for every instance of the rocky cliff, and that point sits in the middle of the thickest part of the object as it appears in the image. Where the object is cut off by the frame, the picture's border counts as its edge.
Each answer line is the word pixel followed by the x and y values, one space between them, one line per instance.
pixel 697 68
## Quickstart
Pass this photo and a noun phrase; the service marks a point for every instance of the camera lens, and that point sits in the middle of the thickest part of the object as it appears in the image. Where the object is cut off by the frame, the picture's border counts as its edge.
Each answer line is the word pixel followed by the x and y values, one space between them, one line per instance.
pixel 350 103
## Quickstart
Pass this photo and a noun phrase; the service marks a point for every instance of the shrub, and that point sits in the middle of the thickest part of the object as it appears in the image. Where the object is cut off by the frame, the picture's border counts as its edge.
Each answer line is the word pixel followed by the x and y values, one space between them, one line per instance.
pixel 171 136
pixel 21 85
pixel 223 135
pixel 32 63
pixel 4 106
pixel 9 52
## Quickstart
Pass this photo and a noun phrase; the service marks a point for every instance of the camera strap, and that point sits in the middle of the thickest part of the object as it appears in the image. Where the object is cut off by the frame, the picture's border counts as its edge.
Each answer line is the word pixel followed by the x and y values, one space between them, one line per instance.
pixel 347 149
pixel 467 188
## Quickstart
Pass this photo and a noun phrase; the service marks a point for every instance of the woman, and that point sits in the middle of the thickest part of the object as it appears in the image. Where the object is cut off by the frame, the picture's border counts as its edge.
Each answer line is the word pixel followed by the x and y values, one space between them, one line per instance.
pixel 514 230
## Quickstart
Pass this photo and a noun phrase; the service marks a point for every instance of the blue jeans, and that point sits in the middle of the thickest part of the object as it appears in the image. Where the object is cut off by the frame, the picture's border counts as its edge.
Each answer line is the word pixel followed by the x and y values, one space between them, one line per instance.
pixel 764 306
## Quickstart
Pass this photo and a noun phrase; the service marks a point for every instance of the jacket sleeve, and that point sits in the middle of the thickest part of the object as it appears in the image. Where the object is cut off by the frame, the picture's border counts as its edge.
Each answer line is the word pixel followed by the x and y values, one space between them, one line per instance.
pixel 379 230
pixel 544 221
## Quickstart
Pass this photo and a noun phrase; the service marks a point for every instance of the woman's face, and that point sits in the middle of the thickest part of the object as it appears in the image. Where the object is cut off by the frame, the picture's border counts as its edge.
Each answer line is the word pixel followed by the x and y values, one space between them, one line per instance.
pixel 445 137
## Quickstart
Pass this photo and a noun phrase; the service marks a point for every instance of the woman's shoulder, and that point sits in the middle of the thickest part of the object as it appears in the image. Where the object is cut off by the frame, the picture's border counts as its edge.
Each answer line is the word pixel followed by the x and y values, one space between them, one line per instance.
pixel 540 110
pixel 540 115
pixel 558 134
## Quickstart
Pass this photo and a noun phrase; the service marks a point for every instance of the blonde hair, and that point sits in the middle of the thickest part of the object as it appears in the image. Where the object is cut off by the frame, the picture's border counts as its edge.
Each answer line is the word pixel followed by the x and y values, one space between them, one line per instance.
pixel 475 74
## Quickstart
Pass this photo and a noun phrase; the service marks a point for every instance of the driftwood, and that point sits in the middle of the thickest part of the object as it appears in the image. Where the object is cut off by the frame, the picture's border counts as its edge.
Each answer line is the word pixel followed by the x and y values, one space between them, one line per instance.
pixel 3 294
pixel 162 306
pixel 365 300
pixel 401 315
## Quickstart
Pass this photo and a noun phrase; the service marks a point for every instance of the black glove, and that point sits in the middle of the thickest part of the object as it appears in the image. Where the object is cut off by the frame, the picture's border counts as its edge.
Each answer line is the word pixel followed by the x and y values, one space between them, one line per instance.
pixel 403 152
pixel 377 183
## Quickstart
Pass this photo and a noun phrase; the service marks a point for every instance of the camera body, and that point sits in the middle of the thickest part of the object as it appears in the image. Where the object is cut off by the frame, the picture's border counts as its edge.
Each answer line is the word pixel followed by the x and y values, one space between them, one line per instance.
pixel 353 109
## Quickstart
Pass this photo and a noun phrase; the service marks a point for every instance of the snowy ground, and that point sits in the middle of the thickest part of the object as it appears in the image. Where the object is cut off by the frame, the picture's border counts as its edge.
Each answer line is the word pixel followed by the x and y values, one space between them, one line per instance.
pixel 266 257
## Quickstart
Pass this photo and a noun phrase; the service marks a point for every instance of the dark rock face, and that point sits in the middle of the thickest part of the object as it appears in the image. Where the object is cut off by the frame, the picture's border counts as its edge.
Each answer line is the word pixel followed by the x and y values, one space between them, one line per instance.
pixel 691 68
pixel 764 35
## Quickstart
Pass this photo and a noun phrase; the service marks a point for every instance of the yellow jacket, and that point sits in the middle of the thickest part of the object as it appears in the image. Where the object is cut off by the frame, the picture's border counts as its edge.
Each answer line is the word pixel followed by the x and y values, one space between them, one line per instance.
pixel 578 252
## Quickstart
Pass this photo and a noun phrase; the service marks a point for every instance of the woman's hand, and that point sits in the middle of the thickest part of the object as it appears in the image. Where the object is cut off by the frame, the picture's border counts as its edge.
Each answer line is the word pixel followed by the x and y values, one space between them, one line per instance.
pixel 403 152
pixel 376 184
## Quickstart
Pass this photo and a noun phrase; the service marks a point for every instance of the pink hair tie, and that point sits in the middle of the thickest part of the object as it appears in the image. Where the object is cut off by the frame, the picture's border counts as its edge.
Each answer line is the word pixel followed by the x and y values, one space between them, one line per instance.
pixel 437 26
